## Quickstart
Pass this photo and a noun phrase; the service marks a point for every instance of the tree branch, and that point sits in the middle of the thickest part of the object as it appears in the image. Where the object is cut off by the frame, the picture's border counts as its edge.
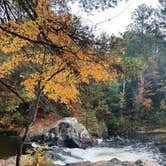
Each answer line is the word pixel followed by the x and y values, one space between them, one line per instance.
pixel 30 40
pixel 12 90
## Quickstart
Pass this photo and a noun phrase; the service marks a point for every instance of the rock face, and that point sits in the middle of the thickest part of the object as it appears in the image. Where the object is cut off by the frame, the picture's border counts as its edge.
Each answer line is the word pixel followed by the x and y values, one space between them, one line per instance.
pixel 71 132
pixel 67 132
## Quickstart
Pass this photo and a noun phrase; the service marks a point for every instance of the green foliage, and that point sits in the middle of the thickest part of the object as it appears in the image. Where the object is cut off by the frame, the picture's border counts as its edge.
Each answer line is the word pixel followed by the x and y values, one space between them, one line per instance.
pixel 112 96
pixel 8 109
pixel 158 116
pixel 88 118
pixel 118 124
pixel 98 100
pixel 138 95
pixel 132 67
pixel 64 111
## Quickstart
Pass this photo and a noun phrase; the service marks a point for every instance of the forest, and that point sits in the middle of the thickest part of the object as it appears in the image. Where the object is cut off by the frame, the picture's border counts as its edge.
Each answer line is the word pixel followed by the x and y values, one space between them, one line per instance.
pixel 52 66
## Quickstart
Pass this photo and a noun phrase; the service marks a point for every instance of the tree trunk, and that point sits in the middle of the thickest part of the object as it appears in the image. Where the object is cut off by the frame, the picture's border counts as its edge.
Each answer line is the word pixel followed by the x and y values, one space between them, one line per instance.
pixel 122 102
pixel 19 151
pixel 33 113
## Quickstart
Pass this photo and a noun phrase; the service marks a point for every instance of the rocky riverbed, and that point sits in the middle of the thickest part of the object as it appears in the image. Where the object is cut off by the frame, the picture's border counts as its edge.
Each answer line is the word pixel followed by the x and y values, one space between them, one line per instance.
pixel 70 144
pixel 121 149
pixel 113 162
pixel 116 162
pixel 113 152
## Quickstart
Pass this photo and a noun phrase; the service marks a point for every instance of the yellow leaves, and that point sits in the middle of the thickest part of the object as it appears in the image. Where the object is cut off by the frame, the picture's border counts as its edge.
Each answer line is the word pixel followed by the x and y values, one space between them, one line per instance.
pixel 29 29
pixel 58 73
pixel 96 70
pixel 8 66
pixel 59 38
pixel 36 157
pixel 118 60
pixel 61 87
pixel 10 43
pixel 65 92
pixel 31 83
pixel 83 57
pixel 42 8
pixel 12 24
pixel 123 50
pixel 54 28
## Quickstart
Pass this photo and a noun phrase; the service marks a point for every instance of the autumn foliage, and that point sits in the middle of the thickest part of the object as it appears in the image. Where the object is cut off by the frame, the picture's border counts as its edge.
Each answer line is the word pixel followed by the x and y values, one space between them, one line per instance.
pixel 56 63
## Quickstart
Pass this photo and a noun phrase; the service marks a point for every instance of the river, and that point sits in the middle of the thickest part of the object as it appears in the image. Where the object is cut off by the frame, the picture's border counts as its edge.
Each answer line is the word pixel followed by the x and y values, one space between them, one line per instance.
pixel 122 149
pixel 116 147
pixel 8 146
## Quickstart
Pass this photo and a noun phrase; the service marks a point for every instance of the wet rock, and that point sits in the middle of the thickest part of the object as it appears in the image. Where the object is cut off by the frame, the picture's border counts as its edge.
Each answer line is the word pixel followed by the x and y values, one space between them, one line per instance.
pixel 58 153
pixel 146 163
pixel 73 134
pixel 139 163
pixel 115 162
pixel 68 132
pixel 9 162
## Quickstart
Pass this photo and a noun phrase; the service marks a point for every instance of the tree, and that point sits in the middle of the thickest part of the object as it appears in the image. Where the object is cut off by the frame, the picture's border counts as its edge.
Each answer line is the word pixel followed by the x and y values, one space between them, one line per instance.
pixel 18 9
pixel 162 16
pixel 49 46
pixel 141 19
pixel 146 40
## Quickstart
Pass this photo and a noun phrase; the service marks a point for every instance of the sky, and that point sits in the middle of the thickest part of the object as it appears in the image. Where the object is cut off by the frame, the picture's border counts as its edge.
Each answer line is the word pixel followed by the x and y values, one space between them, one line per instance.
pixel 119 17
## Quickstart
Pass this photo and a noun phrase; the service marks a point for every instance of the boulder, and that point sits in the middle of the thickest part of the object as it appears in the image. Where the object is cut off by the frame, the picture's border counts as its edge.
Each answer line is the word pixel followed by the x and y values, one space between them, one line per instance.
pixel 68 132
pixel 146 163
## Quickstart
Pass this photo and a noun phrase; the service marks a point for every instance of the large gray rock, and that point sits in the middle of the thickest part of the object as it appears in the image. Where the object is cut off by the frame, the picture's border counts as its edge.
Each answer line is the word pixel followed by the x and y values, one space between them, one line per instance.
pixel 71 132
pixel 67 132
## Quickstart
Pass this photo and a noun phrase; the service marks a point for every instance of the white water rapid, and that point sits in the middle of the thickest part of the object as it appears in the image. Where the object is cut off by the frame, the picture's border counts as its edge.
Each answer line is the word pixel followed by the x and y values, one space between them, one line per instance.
pixel 130 152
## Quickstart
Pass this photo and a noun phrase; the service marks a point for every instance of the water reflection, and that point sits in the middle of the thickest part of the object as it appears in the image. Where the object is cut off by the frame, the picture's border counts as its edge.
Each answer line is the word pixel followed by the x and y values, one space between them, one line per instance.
pixel 8 146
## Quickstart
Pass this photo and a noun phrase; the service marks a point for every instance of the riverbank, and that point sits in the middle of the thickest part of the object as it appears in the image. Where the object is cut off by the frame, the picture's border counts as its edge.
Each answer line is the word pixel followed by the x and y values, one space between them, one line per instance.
pixel 115 152
pixel 113 162
pixel 144 147
pixel 116 162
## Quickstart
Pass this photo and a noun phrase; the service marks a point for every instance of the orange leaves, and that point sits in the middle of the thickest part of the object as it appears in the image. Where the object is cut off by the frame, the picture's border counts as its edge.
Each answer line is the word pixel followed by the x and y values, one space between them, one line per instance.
pixel 42 8
pixel 118 60
pixel 148 103
pixel 8 66
pixel 58 64
pixel 29 29
pixel 61 87
pixel 10 43
pixel 96 71
pixel 60 38
pixel 31 83
pixel 64 93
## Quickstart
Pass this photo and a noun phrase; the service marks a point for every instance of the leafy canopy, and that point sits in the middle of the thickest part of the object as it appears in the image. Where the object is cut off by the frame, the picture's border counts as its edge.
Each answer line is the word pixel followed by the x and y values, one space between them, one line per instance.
pixel 55 62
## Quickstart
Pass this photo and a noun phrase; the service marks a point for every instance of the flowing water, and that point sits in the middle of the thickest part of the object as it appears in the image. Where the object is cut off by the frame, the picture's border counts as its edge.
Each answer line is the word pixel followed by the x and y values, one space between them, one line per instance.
pixel 122 149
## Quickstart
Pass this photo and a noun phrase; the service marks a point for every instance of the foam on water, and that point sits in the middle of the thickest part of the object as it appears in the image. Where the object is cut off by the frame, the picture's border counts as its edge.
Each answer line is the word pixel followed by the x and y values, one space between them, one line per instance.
pixel 128 153
pixel 132 152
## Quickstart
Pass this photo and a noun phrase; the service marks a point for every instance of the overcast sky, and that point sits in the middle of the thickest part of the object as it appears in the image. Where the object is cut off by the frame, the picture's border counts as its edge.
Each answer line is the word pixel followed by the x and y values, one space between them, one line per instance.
pixel 119 17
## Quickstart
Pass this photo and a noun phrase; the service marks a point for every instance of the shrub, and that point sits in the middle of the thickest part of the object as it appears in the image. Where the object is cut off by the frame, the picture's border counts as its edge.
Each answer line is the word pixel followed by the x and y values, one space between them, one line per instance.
pixel 36 157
